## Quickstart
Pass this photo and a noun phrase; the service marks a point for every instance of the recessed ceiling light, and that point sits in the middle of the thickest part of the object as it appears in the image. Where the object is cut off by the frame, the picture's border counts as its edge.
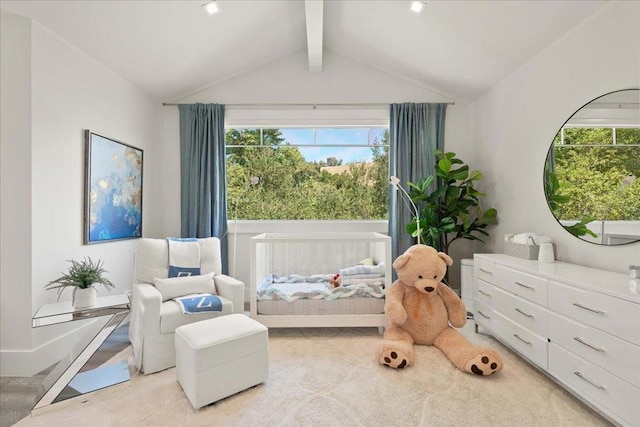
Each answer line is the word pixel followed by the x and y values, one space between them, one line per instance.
pixel 211 7
pixel 417 7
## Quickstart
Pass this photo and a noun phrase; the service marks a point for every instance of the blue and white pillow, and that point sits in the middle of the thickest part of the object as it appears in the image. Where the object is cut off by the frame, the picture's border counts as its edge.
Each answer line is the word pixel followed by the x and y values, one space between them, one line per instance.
pixel 184 257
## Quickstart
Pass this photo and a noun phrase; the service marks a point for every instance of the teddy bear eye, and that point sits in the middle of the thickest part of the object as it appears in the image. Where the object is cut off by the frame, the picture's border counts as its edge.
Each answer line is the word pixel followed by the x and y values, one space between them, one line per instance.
pixel 419 277
pixel 435 276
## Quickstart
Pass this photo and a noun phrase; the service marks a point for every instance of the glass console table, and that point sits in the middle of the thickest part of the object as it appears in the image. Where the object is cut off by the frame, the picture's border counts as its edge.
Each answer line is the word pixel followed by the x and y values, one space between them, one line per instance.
pixel 67 380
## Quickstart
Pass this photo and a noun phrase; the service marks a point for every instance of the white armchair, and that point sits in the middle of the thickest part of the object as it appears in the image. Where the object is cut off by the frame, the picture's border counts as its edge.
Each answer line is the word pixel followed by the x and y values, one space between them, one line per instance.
pixel 153 322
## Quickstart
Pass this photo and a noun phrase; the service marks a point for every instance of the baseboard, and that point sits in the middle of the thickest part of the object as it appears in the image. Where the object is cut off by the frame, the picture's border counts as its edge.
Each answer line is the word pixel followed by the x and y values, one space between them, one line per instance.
pixel 27 363
pixel 15 363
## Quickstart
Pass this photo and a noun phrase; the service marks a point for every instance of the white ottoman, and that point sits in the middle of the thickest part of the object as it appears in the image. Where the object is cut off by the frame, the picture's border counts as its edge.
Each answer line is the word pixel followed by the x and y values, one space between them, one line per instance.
pixel 218 357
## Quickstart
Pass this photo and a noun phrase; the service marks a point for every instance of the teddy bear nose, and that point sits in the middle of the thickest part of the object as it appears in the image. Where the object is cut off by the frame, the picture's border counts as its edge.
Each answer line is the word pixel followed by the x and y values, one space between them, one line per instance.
pixel 429 289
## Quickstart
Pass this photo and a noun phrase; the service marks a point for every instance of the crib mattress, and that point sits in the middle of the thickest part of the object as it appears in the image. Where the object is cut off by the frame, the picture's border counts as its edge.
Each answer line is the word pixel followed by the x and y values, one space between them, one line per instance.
pixel 353 305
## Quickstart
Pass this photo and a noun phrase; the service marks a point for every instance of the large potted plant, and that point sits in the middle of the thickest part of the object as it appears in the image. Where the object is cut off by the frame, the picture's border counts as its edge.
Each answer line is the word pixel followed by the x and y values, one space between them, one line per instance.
pixel 82 277
pixel 453 210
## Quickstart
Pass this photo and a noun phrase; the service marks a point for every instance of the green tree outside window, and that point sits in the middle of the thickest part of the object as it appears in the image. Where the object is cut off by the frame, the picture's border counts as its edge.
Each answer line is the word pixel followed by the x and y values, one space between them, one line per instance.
pixel 292 188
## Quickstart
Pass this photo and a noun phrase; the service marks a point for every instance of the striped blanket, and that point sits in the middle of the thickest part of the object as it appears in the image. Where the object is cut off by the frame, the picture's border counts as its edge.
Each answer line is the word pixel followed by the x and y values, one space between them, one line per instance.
pixel 294 287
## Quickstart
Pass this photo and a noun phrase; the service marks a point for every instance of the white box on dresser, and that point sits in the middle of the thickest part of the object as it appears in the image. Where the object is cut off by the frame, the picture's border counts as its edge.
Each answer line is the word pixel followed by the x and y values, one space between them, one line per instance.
pixel 578 324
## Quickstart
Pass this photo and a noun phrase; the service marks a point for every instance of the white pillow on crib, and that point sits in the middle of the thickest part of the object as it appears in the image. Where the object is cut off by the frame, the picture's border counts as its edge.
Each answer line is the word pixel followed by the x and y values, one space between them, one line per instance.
pixel 174 287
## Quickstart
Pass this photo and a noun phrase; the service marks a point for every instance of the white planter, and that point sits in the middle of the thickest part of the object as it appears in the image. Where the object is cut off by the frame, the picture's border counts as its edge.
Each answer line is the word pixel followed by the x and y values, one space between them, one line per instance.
pixel 83 298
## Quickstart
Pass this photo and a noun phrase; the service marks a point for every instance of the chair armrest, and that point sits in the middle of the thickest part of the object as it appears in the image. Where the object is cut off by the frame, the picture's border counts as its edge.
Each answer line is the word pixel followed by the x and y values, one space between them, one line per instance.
pixel 147 301
pixel 232 289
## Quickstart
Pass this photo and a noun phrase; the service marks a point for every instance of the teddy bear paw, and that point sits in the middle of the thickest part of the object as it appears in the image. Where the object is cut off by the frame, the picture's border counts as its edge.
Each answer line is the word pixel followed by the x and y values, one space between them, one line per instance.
pixel 394 359
pixel 485 363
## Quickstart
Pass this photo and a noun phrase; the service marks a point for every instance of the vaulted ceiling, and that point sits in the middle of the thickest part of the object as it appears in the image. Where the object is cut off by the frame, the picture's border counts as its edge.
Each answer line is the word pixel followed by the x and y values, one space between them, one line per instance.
pixel 171 48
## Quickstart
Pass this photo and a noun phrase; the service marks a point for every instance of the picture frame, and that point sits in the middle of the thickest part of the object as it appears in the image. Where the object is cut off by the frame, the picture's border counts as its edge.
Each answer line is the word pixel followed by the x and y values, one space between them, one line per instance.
pixel 113 173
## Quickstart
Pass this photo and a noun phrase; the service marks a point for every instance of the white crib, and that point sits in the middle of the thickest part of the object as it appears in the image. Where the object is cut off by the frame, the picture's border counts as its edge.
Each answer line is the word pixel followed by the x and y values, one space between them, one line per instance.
pixel 309 254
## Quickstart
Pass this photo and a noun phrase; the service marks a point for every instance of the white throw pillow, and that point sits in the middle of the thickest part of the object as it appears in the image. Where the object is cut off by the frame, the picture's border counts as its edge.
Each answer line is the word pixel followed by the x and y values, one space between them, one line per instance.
pixel 174 287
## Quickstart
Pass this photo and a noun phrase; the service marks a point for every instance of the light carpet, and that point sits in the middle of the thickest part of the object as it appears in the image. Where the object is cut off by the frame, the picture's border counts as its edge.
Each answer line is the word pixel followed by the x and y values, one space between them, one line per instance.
pixel 329 377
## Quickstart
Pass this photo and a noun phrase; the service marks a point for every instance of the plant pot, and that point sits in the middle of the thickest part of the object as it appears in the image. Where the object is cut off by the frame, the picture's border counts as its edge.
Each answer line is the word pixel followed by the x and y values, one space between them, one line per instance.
pixel 83 298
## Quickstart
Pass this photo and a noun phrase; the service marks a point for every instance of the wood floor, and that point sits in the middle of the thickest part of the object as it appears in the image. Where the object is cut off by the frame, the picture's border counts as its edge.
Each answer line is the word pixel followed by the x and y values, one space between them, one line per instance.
pixel 18 394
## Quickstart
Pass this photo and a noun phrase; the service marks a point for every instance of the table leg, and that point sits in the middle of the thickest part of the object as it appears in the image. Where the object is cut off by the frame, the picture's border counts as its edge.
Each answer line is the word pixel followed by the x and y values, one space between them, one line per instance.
pixel 65 381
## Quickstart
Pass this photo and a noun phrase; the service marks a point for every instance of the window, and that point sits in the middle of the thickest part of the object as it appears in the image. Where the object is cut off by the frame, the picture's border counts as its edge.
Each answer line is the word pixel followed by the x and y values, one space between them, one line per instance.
pixel 594 164
pixel 326 173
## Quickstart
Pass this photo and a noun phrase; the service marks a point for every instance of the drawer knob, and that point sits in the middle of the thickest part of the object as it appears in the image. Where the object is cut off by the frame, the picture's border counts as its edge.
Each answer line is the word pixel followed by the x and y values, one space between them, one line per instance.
pixel 593 310
pixel 598 386
pixel 485 271
pixel 522 339
pixel 523 313
pixel 480 291
pixel 581 341
pixel 524 286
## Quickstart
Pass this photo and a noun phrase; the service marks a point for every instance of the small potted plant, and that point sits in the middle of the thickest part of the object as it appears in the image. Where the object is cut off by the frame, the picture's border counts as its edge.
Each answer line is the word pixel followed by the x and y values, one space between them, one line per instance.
pixel 81 277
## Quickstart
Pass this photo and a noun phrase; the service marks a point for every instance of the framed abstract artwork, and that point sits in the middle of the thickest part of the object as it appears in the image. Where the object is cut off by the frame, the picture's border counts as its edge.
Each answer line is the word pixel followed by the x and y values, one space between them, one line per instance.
pixel 113 190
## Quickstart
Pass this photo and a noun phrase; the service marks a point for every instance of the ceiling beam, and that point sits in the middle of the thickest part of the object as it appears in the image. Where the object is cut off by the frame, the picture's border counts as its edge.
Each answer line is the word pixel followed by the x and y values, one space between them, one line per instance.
pixel 313 13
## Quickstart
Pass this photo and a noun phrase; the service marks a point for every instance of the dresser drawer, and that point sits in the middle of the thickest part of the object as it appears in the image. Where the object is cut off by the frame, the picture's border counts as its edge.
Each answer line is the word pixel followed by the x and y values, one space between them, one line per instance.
pixel 611 392
pixel 529 344
pixel 483 315
pixel 484 292
pixel 615 355
pixel 483 269
pixel 521 311
pixel 527 286
pixel 613 315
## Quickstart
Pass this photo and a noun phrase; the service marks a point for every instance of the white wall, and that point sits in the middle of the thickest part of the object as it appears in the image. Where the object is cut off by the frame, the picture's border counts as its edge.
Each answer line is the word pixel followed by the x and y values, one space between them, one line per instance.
pixel 288 81
pixel 71 92
pixel 518 118
pixel 15 186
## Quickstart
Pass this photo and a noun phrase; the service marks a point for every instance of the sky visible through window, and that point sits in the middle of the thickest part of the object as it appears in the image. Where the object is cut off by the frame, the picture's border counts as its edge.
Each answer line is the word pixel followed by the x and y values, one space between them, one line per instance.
pixel 357 142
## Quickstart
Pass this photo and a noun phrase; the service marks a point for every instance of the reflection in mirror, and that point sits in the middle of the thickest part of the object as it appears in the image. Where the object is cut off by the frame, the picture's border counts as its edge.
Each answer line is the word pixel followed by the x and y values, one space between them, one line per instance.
pixel 591 168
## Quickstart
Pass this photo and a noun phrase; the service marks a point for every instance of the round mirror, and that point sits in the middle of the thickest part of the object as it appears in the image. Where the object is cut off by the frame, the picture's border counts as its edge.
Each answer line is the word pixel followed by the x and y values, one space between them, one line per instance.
pixel 591 168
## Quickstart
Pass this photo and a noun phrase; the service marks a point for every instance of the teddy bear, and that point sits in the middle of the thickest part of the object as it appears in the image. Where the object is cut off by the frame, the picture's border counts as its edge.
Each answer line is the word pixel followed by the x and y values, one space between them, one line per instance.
pixel 422 310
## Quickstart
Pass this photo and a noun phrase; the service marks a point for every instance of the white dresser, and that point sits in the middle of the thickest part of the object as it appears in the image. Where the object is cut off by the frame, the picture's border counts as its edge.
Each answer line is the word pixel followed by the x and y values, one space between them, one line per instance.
pixel 580 325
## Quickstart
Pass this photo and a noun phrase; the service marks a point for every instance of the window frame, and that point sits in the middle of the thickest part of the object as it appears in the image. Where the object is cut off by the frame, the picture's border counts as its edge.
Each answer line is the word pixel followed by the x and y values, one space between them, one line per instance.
pixel 369 145
pixel 596 126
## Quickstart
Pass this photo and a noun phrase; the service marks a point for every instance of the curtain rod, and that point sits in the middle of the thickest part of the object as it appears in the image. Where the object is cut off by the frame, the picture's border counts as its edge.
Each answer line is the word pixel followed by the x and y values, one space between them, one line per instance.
pixel 379 104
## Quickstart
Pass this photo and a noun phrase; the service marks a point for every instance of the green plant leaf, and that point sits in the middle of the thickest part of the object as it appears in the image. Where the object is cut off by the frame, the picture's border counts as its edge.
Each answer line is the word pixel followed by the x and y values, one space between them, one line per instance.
pixel 444 166
pixel 475 176
pixel 580 228
pixel 558 198
pixel 466 222
pixel 490 216
pixel 448 229
pixel 411 185
pixel 460 174
pixel 436 195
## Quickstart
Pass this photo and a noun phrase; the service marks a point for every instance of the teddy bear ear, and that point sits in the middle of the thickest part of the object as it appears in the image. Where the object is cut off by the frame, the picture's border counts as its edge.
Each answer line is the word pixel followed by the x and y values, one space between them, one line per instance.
pixel 446 258
pixel 401 260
